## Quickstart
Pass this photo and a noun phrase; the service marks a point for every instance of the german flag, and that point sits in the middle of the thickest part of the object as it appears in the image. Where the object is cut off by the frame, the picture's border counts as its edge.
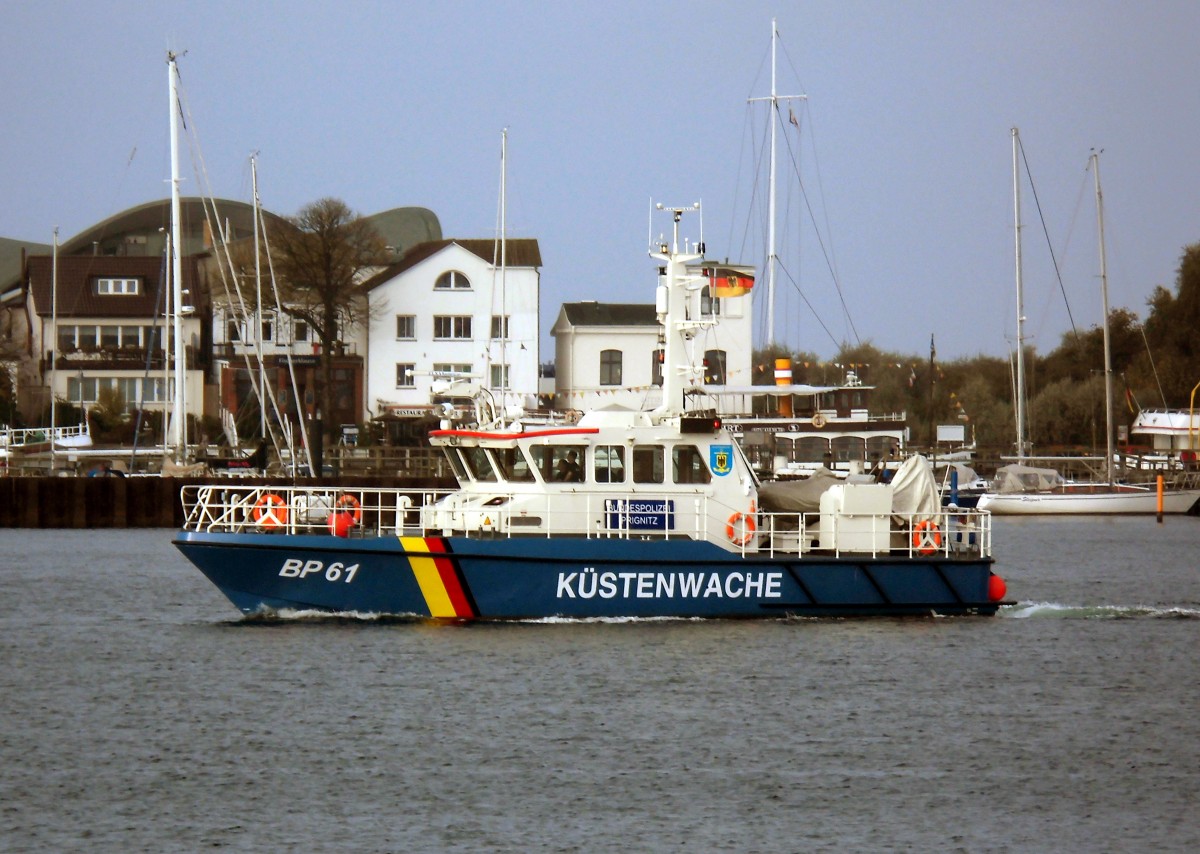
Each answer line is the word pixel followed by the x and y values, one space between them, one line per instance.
pixel 726 282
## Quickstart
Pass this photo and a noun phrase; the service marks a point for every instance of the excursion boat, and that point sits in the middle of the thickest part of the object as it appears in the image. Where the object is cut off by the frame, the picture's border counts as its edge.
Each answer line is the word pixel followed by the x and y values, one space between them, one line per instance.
pixel 622 514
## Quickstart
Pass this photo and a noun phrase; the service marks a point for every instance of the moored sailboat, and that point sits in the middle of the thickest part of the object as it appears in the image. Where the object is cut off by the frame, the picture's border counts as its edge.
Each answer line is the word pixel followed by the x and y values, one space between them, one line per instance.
pixel 1022 490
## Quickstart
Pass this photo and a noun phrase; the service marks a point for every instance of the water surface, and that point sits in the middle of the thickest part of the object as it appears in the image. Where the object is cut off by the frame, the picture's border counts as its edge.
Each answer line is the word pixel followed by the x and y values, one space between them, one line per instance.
pixel 140 712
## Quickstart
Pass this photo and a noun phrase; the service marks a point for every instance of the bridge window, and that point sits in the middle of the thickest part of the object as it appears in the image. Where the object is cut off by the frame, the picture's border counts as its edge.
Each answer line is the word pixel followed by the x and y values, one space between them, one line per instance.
pixel 479 464
pixel 513 465
pixel 648 464
pixel 562 463
pixel 608 463
pixel 688 465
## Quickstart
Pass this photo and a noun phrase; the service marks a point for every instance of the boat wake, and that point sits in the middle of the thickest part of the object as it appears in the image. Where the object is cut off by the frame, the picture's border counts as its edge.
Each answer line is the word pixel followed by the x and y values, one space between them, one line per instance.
pixel 553 621
pixel 1057 611
pixel 285 616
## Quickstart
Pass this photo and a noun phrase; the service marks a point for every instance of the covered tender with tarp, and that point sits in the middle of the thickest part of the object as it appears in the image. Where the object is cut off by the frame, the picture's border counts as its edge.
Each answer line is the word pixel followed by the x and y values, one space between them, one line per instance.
pixel 1018 478
pixel 796 496
pixel 914 490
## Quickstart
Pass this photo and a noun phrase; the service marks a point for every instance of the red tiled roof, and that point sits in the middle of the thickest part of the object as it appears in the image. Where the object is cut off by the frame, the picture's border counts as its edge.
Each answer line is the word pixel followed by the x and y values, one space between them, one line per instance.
pixel 77 275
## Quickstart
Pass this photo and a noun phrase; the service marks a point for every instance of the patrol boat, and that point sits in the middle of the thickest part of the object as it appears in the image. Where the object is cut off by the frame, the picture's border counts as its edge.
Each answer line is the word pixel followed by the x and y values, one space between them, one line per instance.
pixel 622 514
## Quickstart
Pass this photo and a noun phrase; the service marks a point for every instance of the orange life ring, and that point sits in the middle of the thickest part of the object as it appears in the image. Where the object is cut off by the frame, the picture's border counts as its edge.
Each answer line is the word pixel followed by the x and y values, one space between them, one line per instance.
pixel 926 537
pixel 270 511
pixel 749 526
pixel 348 503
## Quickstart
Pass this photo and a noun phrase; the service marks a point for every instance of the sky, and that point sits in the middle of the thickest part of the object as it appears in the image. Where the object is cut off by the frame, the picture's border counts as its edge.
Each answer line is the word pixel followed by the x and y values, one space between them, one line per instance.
pixel 895 216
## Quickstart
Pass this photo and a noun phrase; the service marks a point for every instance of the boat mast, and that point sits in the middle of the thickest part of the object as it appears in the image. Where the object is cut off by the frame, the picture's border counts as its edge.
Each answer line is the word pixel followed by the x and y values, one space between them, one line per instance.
pixel 1016 142
pixel 262 373
pixel 178 436
pixel 503 269
pixel 1108 374
pixel 670 305
pixel 774 100
pixel 57 338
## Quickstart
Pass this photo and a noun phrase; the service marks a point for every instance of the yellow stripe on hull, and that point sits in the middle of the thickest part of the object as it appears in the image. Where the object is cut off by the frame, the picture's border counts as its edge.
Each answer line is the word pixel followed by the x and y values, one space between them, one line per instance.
pixel 428 577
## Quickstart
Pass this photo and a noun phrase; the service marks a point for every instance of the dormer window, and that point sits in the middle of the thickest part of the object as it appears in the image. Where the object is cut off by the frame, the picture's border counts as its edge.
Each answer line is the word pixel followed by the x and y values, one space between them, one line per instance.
pixel 452 280
pixel 118 287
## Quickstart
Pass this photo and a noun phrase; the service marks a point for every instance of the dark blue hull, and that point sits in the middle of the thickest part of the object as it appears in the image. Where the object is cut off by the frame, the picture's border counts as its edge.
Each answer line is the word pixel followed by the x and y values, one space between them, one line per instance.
pixel 531 578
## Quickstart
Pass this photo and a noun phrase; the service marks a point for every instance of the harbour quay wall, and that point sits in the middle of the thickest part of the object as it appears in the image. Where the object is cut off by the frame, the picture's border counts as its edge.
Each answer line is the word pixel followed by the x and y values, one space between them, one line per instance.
pixel 140 502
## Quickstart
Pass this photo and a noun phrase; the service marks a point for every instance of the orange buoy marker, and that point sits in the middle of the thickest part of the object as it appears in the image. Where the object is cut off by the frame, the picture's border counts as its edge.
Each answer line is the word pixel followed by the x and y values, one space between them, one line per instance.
pixel 1160 499
pixel 997 589
pixel 340 523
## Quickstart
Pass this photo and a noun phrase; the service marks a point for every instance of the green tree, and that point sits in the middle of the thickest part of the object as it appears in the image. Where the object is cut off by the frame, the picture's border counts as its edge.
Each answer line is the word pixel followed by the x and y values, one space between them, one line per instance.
pixel 1068 414
pixel 1171 330
pixel 985 404
pixel 323 255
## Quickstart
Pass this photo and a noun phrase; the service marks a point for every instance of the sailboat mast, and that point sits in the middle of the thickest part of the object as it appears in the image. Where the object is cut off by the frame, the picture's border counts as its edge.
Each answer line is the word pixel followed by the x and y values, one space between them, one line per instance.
pixel 503 267
pixel 178 423
pixel 262 373
pixel 771 199
pixel 1016 142
pixel 57 338
pixel 772 258
pixel 1108 374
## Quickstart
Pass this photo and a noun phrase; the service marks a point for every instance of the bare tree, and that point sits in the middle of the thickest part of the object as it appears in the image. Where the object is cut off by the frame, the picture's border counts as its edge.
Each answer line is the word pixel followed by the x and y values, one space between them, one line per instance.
pixel 322 257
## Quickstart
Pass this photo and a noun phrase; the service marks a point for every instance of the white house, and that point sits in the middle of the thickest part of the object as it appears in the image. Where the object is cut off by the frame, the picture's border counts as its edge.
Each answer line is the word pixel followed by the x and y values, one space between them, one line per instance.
pixel 610 354
pixel 454 309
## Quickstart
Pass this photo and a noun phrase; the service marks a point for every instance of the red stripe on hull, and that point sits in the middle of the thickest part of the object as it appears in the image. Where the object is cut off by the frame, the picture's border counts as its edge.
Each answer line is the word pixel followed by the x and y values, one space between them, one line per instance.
pixel 450 580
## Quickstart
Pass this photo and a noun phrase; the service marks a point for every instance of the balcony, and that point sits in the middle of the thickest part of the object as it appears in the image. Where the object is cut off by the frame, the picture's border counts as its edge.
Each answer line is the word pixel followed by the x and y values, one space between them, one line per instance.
pixel 113 359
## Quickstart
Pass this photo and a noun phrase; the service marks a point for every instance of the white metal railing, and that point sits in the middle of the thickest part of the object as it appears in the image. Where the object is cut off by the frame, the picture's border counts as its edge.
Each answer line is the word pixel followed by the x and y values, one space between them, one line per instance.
pixel 15 437
pixel 304 510
pixel 368 512
pixel 945 534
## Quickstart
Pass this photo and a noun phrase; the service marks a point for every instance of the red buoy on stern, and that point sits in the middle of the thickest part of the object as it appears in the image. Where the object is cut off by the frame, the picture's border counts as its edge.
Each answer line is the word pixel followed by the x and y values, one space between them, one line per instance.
pixel 340 524
pixel 997 589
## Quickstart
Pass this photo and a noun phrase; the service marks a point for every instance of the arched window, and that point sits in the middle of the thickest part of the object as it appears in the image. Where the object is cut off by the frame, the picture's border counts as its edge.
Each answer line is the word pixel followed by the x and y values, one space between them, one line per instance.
pixel 452 280
pixel 610 367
